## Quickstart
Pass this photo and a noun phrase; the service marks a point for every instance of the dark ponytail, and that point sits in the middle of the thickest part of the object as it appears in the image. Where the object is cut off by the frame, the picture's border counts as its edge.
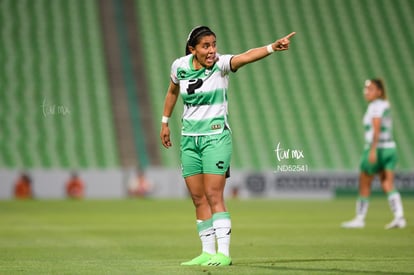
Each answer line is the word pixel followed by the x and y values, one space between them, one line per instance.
pixel 195 35
pixel 381 86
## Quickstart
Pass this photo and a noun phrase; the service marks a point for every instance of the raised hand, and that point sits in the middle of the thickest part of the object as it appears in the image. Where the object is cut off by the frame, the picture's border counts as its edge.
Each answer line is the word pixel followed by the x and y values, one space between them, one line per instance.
pixel 282 44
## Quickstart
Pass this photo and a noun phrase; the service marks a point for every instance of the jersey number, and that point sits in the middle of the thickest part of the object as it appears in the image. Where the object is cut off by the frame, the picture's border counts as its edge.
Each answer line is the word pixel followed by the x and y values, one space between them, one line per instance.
pixel 194 84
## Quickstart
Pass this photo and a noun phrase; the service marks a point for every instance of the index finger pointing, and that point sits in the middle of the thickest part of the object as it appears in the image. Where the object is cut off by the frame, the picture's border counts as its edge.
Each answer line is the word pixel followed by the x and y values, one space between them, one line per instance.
pixel 290 35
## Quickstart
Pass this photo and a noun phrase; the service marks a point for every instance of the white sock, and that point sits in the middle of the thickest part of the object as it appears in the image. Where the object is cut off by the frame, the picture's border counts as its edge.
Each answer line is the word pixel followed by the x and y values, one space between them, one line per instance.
pixel 222 227
pixel 394 200
pixel 207 236
pixel 362 204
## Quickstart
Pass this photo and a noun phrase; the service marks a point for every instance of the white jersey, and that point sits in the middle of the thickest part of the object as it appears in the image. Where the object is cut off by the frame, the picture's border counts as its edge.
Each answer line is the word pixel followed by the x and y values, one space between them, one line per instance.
pixel 379 108
pixel 204 94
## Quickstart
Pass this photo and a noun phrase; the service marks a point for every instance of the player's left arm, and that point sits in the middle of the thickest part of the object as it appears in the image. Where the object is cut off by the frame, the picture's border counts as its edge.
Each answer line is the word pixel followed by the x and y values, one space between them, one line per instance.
pixel 255 54
pixel 169 104
pixel 376 129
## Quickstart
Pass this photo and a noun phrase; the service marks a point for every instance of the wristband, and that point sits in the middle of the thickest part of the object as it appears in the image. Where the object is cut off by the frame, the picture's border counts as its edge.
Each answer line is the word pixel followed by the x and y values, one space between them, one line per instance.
pixel 270 49
pixel 164 119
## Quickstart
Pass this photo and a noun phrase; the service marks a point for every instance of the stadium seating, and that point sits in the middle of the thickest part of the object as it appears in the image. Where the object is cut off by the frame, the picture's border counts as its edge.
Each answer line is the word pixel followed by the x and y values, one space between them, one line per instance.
pixel 307 99
pixel 55 109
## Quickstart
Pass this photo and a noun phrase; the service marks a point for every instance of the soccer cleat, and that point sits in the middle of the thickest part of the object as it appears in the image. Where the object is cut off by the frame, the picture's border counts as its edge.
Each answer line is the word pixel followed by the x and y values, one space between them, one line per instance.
pixel 396 223
pixel 355 223
pixel 218 260
pixel 204 257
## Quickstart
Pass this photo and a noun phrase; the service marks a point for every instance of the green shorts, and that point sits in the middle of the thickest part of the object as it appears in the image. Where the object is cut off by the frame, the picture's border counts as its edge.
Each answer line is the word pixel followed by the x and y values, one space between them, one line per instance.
pixel 386 160
pixel 206 154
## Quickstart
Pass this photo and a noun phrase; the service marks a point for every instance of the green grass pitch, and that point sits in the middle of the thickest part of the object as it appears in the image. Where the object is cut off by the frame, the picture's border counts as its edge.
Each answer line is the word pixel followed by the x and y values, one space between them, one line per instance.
pixel 147 236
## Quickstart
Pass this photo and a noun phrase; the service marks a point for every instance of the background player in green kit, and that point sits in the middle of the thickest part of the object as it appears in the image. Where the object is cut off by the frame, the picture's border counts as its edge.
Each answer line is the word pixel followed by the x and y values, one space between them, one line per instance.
pixel 201 78
pixel 379 157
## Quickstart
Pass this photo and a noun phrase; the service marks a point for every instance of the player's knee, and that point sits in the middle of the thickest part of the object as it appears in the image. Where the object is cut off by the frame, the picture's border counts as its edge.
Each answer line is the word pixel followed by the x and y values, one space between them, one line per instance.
pixel 199 200
pixel 214 197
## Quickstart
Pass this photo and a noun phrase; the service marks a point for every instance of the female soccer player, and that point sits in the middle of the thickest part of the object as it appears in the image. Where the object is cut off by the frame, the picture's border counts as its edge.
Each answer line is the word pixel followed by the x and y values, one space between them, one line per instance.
pixel 201 78
pixel 379 157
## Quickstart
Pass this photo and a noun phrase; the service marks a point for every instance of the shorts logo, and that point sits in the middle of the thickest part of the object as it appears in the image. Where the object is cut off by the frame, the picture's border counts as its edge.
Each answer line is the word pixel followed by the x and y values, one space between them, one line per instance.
pixel 215 127
pixel 220 164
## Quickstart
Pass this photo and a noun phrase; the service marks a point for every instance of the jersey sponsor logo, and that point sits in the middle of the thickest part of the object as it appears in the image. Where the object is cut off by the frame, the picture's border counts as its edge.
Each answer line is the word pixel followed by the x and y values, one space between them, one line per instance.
pixel 193 85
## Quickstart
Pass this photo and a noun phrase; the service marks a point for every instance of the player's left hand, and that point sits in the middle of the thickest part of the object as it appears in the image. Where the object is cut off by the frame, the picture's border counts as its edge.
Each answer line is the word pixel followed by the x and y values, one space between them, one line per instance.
pixel 165 136
pixel 282 44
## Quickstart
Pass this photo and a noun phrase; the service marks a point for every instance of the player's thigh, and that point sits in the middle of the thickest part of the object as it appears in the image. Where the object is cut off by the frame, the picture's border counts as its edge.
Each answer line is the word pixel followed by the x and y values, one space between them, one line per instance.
pixel 195 186
pixel 365 181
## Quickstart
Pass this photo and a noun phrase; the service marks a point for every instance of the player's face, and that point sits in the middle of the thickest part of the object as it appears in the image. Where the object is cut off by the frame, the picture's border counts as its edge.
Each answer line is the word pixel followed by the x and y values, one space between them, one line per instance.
pixel 371 91
pixel 205 52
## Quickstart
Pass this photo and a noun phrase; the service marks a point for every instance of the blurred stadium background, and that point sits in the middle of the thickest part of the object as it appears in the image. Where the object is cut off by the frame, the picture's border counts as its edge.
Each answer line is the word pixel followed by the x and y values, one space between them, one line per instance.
pixel 82 85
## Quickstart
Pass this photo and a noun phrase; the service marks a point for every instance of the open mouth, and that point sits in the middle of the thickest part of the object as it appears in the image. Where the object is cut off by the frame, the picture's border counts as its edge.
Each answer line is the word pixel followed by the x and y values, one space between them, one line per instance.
pixel 211 58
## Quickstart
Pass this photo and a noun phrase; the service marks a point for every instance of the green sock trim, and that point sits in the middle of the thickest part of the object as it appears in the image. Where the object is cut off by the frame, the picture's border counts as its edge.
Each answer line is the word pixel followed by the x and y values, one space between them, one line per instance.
pixel 392 192
pixel 221 216
pixel 204 225
pixel 365 199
